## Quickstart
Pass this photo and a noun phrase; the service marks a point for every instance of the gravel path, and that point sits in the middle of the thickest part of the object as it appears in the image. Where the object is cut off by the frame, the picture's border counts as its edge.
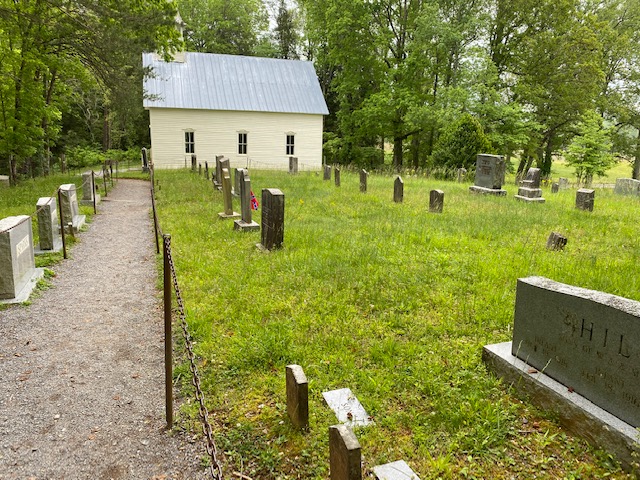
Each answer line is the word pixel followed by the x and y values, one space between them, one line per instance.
pixel 82 367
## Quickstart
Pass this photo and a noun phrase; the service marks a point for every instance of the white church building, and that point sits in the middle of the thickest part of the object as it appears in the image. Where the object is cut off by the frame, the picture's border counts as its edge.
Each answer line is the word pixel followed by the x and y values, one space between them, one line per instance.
pixel 256 111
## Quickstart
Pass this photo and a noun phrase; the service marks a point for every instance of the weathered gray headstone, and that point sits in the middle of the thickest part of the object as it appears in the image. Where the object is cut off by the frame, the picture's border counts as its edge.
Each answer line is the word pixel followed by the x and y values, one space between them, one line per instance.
pixel 462 175
pixel 327 172
pixel 69 207
pixel 194 162
pixel 89 189
pixel 217 179
pixel 272 219
pixel 555 186
pixel 436 201
pixel 18 274
pixel 345 456
pixel 200 169
pixel 336 174
pixel 347 407
pixel 529 190
pixel 297 396
pixel 364 177
pixel 627 186
pixel 490 171
pixel 585 199
pixel 556 241
pixel 227 196
pixel 237 176
pixel 398 190
pixel 145 161
pixel 48 225
pixel 206 170
pixel 293 165
pixel 395 471
pixel 563 183
pixel 245 223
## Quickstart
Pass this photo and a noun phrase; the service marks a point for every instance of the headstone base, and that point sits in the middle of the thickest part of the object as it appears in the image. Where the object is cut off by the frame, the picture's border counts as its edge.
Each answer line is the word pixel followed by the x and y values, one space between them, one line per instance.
pixel 90 202
pixel 79 221
pixel 488 191
pixel 529 199
pixel 245 227
pixel 23 295
pixel 395 471
pixel 57 247
pixel 224 216
pixel 576 414
pixel 262 248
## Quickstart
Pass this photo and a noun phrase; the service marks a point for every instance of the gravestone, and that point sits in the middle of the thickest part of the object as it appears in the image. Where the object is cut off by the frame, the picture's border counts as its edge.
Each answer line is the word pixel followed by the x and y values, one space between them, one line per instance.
pixel 585 198
pixel 145 161
pixel 529 189
pixel 327 172
pixel 576 351
pixel 395 471
pixel 490 170
pixel 69 207
pixel 200 169
pixel 627 186
pixel 398 190
pixel 297 396
pixel 364 177
pixel 555 186
pixel 556 241
pixel 48 225
pixel 347 407
pixel 293 165
pixel 194 161
pixel 227 196
pixel 89 189
pixel 224 163
pixel 237 175
pixel 563 183
pixel 436 201
pixel 336 173
pixel 272 219
pixel 345 455
pixel 4 181
pixel 18 273
pixel 217 179
pixel 206 170
pixel 462 175
pixel 245 224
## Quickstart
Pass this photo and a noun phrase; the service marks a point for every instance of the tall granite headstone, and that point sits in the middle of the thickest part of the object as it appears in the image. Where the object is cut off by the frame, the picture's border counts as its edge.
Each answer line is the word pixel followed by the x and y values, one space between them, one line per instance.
pixel 89 189
pixel 227 196
pixel 490 171
pixel 69 207
pixel 529 190
pixel 272 219
pixel 48 225
pixel 245 223
pixel 293 165
pixel 398 190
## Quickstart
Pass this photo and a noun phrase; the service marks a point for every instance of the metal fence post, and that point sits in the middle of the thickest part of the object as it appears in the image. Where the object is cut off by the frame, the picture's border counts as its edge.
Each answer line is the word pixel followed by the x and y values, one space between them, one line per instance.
pixel 168 362
pixel 64 240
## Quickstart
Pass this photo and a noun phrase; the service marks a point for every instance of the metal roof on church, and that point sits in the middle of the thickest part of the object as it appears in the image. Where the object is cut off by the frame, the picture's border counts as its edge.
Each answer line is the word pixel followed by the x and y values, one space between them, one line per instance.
pixel 233 82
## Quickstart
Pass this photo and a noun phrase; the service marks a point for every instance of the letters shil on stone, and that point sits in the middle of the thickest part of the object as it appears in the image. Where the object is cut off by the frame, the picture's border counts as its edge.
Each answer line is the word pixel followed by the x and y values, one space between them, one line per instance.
pixel 490 171
pixel 297 396
pixel 345 456
pixel 272 219
pixel 585 199
pixel 398 190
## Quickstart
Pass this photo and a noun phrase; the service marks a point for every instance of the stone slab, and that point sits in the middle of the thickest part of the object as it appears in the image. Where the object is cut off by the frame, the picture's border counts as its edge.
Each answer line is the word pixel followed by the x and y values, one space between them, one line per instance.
pixel 576 414
pixel 245 227
pixel 487 191
pixel 347 408
pixel 57 247
pixel 395 471
pixel 529 199
pixel 225 216
pixel 24 293
pixel 584 339
pixel 490 171
pixel 16 255
pixel 627 186
pixel 90 202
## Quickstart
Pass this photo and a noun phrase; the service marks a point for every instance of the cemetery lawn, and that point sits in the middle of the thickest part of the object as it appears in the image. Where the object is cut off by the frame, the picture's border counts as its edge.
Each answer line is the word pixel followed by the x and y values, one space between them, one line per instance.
pixel 394 303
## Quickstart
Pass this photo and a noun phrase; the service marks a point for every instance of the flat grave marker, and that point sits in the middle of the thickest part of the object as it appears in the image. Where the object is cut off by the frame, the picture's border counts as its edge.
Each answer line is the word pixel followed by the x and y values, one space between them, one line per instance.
pixel 398 470
pixel 347 407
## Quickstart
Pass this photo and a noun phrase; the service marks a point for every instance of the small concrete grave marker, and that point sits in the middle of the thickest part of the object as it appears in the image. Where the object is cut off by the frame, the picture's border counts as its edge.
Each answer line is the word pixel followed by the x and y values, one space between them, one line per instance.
pixel 556 241
pixel 327 172
pixel 462 175
pixel 345 454
pixel 529 189
pixel 69 207
pixel 227 196
pixel 336 174
pixel 398 190
pixel 293 165
pixel 48 225
pixel 436 201
pixel 245 224
pixel 272 219
pixel 563 183
pixel 18 272
pixel 627 186
pixel 89 189
pixel 364 177
pixel 555 186
pixel 297 396
pixel 347 408
pixel 575 351
pixel 490 170
pixel 585 198
pixel 395 471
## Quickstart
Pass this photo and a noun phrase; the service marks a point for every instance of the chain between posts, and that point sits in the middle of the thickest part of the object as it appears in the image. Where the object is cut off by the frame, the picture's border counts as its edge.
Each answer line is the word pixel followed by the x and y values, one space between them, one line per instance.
pixel 215 467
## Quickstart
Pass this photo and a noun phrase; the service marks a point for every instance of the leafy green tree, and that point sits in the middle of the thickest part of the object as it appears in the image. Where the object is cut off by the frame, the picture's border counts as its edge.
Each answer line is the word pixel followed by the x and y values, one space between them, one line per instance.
pixel 286 36
pixel 460 143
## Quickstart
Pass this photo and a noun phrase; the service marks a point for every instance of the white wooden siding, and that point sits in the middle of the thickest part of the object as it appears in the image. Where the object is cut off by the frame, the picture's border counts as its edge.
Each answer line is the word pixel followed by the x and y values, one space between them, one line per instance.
pixel 216 133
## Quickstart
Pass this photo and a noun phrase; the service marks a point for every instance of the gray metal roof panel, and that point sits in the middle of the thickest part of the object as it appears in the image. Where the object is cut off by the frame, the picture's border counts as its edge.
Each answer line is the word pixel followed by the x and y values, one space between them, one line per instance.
pixel 232 82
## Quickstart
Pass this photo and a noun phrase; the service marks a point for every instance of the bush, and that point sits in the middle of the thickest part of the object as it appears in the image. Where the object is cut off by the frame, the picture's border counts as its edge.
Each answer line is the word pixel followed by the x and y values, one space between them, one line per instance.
pixel 460 143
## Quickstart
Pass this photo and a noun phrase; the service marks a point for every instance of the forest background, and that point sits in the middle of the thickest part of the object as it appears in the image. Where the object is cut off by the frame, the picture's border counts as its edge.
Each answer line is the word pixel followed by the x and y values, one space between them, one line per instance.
pixel 418 84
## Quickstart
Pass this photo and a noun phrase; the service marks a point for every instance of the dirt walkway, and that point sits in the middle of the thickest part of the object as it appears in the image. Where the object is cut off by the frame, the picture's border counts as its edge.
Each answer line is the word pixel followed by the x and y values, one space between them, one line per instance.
pixel 82 391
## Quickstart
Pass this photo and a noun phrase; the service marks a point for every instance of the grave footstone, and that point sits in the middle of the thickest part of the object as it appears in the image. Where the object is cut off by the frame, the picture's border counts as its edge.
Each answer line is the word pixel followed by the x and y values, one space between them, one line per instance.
pixel 436 201
pixel 345 456
pixel 347 407
pixel 297 396
pixel 293 165
pixel 490 171
pixel 327 172
pixel 48 226
pixel 398 190
pixel 575 351
pixel 18 274
pixel 627 186
pixel 395 471
pixel 556 241
pixel 246 223
pixel 272 219
pixel 227 197
pixel 89 189
pixel 69 207
pixel 462 175
pixel 555 186
pixel 529 189
pixel 364 177
pixel 585 199
pixel 336 173
pixel 563 183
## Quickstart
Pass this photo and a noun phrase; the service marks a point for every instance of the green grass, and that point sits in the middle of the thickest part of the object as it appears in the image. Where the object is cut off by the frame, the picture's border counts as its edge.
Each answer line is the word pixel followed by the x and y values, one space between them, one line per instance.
pixel 394 303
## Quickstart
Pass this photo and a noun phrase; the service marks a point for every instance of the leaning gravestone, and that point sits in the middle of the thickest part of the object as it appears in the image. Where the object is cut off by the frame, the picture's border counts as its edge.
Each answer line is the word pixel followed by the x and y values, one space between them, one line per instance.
pixel 364 177
pixel 69 207
pixel 293 165
pixel 576 351
pixel 490 170
pixel 245 223
pixel 272 219
pixel 227 196
pixel 529 189
pixel 398 190
pixel 627 186
pixel 585 198
pixel 556 241
pixel 18 272
pixel 48 226
pixel 89 189
pixel 224 163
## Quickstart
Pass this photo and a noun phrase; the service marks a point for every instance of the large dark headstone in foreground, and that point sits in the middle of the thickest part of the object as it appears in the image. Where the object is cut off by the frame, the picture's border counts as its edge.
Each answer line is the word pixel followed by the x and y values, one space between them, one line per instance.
pixel 490 171
pixel 272 219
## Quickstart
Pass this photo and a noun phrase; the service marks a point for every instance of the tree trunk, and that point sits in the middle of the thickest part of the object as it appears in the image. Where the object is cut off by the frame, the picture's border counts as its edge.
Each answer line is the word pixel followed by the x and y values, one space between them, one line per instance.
pixel 415 150
pixel 547 160
pixel 397 151
pixel 636 163
pixel 106 131
pixel 13 177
